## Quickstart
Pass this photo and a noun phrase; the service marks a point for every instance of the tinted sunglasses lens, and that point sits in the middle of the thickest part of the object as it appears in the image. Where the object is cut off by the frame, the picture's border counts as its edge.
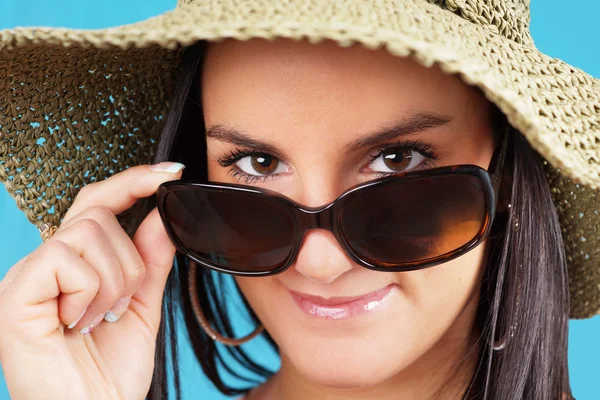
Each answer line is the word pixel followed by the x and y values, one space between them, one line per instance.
pixel 234 230
pixel 414 220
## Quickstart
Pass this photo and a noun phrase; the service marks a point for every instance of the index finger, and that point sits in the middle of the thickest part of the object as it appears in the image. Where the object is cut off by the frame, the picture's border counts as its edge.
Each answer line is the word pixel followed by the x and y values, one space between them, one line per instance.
pixel 122 190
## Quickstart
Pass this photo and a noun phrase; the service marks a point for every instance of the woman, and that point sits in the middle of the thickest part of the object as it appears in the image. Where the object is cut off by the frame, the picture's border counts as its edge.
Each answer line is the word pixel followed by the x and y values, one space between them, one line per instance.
pixel 391 230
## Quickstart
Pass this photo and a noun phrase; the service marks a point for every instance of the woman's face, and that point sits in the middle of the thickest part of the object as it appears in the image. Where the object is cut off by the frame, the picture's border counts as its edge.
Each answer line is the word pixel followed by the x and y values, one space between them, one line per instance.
pixel 305 112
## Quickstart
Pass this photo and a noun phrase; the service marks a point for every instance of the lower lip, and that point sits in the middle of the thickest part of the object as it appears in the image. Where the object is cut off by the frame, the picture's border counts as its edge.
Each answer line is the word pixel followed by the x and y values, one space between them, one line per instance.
pixel 362 305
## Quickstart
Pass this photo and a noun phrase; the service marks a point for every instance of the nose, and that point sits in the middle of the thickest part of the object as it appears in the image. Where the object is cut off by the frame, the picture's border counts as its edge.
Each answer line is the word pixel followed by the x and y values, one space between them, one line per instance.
pixel 321 258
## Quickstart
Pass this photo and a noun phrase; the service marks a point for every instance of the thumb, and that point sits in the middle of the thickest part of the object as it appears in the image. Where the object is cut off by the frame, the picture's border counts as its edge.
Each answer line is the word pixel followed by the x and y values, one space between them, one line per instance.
pixel 158 253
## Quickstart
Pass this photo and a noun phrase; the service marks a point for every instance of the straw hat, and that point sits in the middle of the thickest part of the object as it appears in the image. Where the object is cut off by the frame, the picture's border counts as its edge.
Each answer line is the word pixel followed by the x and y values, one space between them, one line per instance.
pixel 77 106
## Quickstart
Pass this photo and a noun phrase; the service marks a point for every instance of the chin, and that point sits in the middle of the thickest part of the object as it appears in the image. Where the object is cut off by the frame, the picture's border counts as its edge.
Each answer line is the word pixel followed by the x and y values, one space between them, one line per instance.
pixel 346 365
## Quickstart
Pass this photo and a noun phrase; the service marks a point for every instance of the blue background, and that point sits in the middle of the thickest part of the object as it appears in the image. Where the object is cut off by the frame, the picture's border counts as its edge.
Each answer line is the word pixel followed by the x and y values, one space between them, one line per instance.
pixel 567 30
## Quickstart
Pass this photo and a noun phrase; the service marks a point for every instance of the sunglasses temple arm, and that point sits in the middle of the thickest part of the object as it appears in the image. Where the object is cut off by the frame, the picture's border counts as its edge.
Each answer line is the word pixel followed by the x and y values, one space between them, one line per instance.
pixel 194 102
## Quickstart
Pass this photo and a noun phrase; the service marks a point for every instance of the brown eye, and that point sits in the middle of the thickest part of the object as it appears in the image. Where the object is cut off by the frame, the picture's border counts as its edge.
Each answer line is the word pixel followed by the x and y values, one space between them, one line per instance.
pixel 264 164
pixel 261 164
pixel 398 160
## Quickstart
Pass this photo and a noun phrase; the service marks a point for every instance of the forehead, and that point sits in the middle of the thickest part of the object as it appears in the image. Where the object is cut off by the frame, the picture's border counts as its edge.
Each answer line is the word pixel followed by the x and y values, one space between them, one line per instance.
pixel 262 86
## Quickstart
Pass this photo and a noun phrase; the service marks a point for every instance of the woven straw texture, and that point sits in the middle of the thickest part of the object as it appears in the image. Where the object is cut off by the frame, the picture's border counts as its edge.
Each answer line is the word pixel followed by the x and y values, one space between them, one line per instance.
pixel 77 106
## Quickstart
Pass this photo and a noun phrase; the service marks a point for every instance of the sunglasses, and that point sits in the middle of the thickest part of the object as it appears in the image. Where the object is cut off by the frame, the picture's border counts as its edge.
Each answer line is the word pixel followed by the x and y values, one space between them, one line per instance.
pixel 405 222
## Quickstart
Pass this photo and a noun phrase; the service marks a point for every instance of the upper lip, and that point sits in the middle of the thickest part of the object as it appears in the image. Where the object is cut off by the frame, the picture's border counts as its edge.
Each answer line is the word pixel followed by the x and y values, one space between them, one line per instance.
pixel 338 300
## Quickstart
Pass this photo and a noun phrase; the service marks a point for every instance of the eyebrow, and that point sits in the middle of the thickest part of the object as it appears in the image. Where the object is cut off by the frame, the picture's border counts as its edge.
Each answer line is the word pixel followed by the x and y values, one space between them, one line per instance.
pixel 227 134
pixel 414 124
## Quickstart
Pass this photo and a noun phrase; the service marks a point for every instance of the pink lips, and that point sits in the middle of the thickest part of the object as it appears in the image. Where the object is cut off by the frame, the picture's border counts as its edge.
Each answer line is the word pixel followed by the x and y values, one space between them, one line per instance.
pixel 342 307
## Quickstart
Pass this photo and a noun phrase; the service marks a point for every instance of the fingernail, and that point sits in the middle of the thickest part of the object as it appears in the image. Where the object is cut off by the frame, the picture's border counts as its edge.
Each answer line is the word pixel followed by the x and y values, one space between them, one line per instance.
pixel 92 325
pixel 118 309
pixel 168 167
pixel 72 325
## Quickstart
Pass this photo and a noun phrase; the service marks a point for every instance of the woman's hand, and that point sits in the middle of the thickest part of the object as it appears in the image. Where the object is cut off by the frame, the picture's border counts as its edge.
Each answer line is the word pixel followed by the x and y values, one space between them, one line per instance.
pixel 90 265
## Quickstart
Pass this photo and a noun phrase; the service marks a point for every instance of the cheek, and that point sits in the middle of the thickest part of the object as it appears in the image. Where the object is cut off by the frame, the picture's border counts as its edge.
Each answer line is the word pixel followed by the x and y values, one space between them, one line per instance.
pixel 446 291
pixel 264 295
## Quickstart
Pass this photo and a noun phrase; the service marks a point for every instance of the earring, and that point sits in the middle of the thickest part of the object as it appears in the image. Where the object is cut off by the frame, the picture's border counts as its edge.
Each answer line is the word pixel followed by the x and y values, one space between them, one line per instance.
pixel 201 318
pixel 498 345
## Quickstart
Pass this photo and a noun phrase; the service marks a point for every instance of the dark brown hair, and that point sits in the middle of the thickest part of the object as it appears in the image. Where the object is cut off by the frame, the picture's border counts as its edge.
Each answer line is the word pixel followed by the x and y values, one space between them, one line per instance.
pixel 524 290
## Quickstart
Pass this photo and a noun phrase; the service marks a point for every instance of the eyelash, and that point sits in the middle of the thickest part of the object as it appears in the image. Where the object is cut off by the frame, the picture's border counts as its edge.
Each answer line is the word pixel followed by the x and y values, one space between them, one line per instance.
pixel 234 156
pixel 237 154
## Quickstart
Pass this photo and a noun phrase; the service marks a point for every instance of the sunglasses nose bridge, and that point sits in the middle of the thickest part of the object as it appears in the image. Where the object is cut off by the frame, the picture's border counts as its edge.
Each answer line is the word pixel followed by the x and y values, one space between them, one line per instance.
pixel 317 218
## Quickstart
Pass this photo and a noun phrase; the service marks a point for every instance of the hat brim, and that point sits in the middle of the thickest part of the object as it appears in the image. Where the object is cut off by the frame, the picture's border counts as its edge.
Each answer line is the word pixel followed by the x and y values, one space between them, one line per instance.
pixel 114 84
